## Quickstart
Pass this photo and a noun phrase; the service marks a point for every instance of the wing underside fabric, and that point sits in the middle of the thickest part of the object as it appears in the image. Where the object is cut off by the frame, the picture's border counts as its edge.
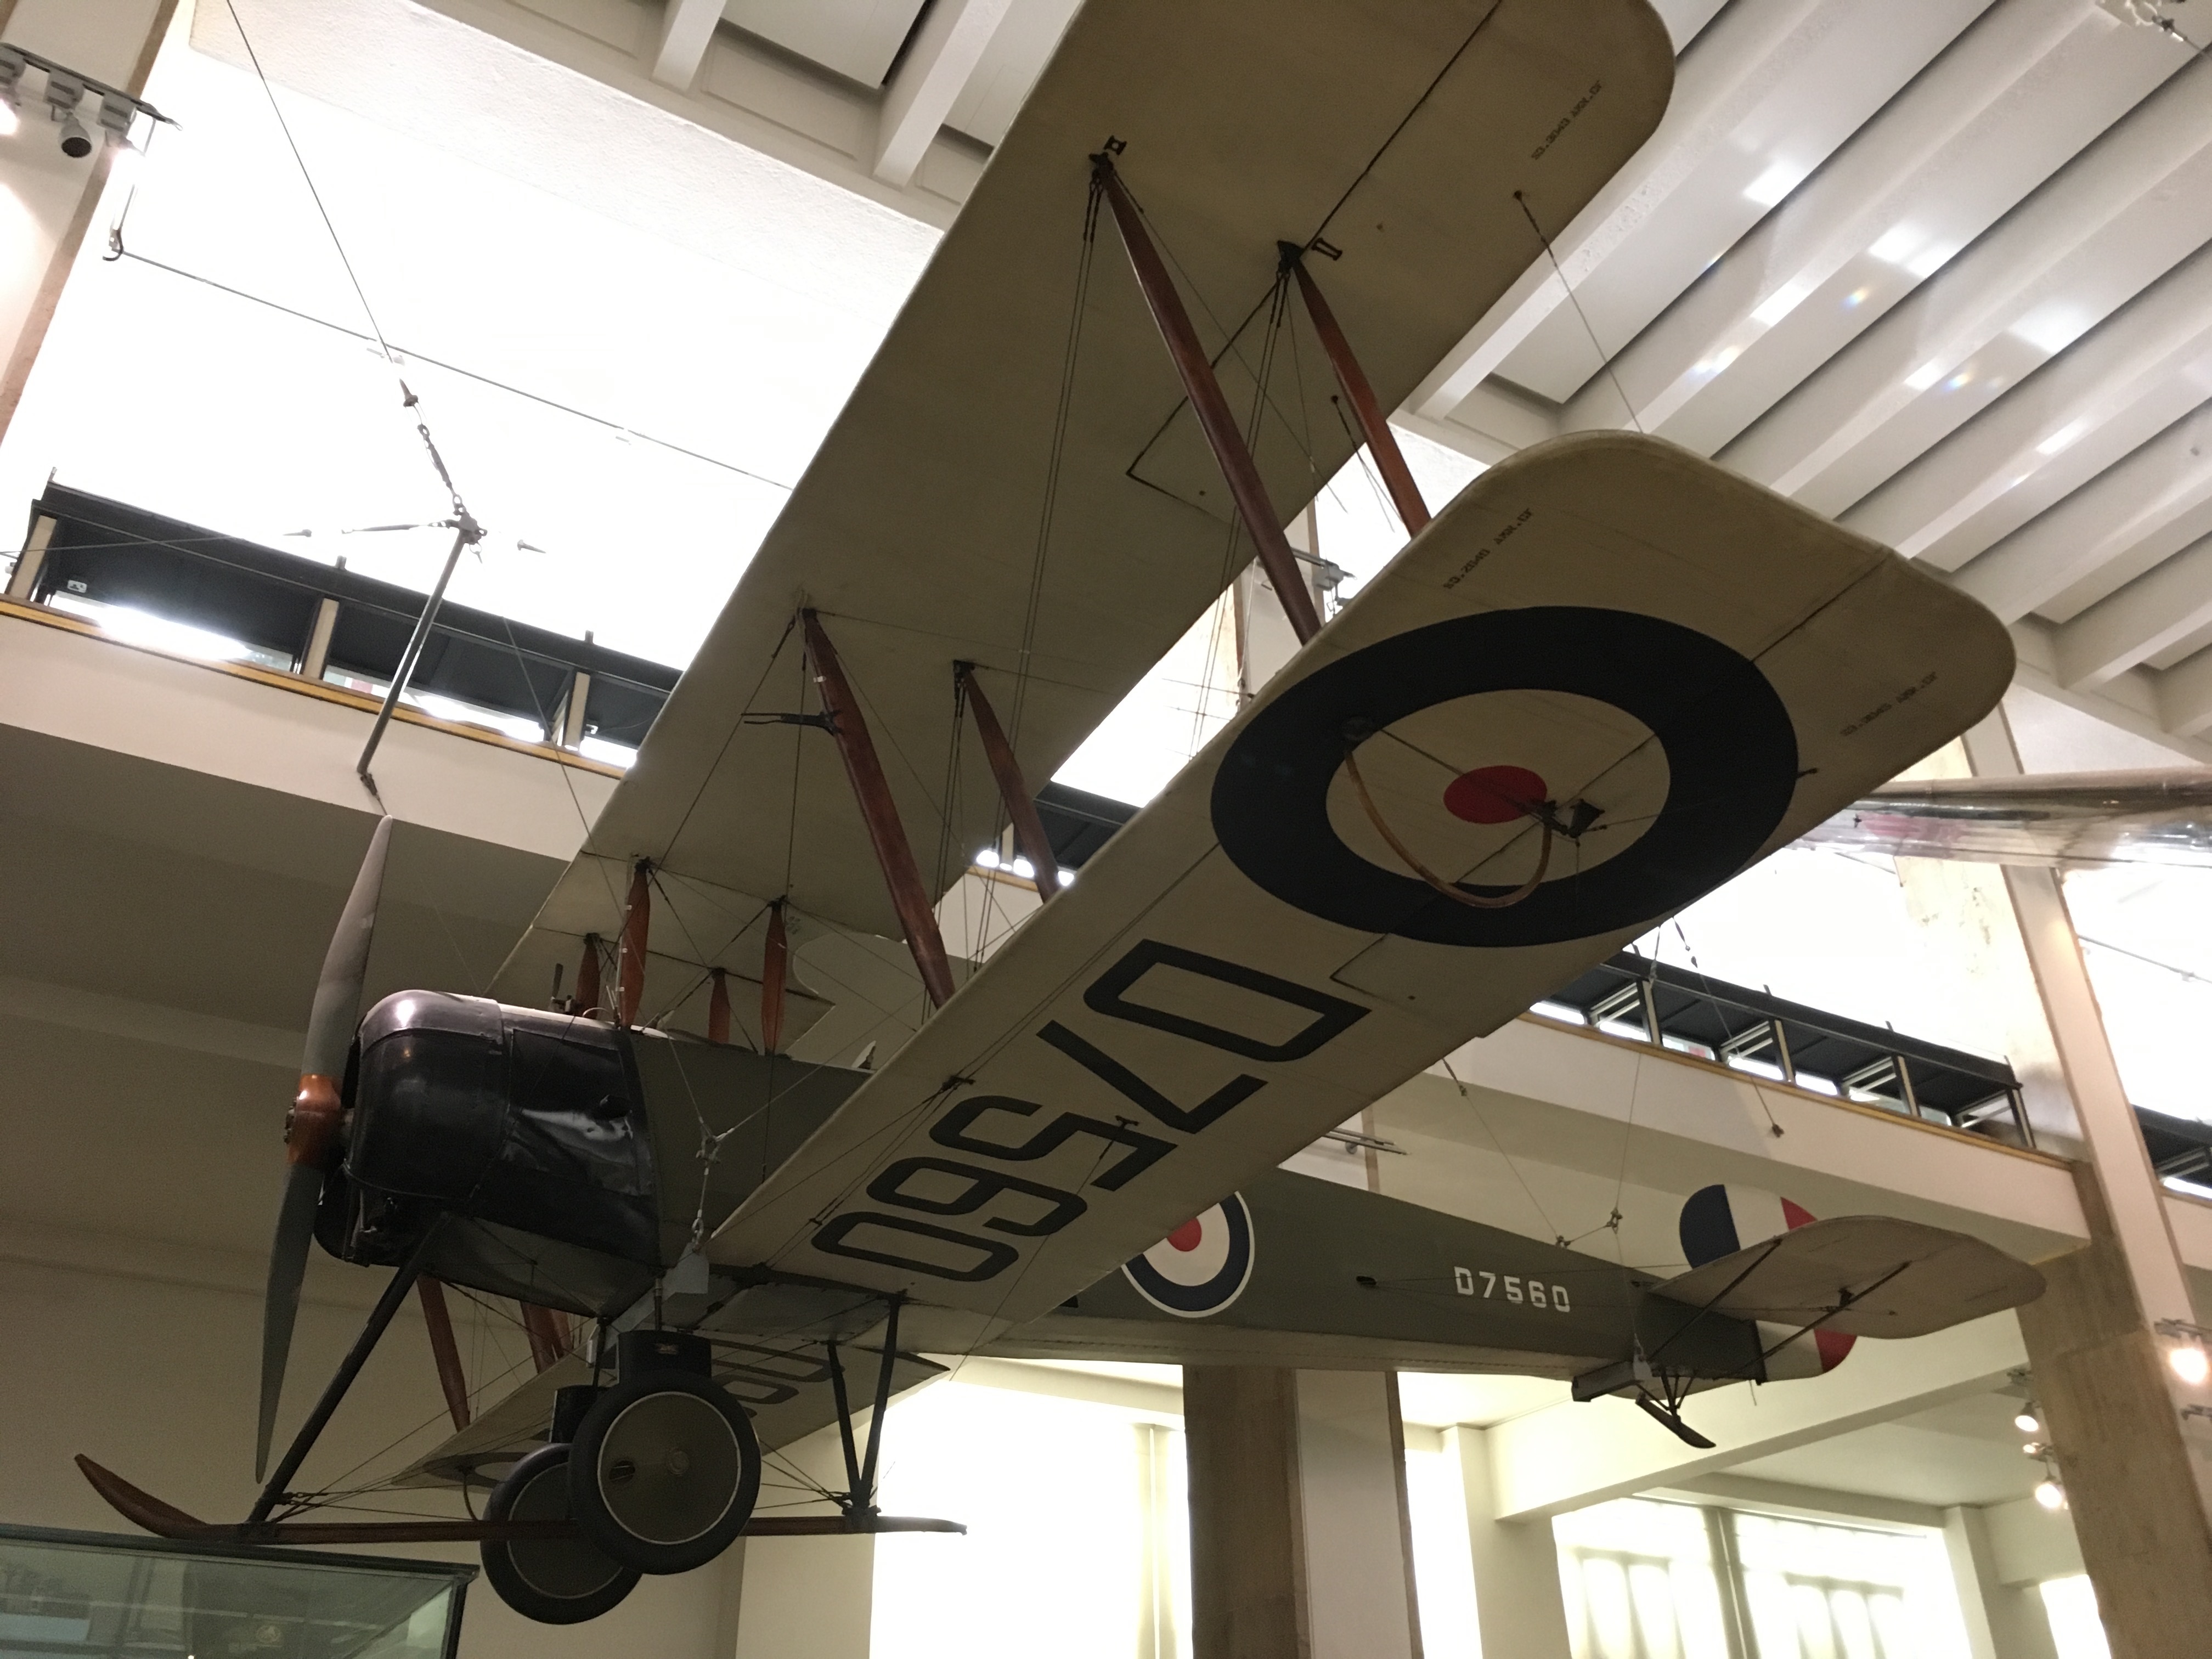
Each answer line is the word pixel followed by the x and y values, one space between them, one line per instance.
pixel 1398 131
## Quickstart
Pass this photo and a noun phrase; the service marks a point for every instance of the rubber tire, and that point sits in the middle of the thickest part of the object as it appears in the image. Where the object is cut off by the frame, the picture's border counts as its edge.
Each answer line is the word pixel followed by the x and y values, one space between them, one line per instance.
pixel 712 1429
pixel 535 1578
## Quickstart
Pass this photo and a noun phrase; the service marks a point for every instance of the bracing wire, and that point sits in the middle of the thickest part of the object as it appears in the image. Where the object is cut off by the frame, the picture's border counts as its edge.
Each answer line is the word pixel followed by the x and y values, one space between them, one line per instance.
pixel 1604 359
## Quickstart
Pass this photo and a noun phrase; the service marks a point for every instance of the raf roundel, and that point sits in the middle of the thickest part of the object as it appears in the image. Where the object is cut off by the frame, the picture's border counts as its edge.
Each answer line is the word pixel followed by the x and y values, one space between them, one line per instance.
pixel 1202 1266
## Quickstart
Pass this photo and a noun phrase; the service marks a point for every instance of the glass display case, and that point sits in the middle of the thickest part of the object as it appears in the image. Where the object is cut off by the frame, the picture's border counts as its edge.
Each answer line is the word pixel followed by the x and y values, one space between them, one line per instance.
pixel 67 1594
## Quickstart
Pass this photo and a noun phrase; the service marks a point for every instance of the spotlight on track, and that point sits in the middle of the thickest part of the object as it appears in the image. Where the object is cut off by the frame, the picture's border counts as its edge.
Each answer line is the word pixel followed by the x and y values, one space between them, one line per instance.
pixel 2029 1423
pixel 2050 1493
pixel 64 92
pixel 2187 1357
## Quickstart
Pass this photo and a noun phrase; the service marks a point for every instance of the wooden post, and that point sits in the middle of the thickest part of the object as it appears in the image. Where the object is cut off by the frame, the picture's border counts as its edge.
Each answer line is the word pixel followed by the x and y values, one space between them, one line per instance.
pixel 718 1007
pixel 902 875
pixel 775 961
pixel 1212 409
pixel 443 1351
pixel 629 965
pixel 548 1333
pixel 1029 838
pixel 587 976
pixel 1374 425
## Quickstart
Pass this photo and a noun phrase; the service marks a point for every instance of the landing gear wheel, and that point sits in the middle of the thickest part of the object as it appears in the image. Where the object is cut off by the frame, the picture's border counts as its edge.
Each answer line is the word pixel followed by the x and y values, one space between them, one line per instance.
pixel 665 1472
pixel 553 1581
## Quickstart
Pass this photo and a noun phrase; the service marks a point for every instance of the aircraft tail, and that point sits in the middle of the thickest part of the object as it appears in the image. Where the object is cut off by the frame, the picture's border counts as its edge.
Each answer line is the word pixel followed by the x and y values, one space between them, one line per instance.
pixel 1721 1219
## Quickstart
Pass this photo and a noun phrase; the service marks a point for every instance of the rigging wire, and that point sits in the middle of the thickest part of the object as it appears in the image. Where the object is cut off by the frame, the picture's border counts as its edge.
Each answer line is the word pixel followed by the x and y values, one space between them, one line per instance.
pixel 1604 360
pixel 1062 415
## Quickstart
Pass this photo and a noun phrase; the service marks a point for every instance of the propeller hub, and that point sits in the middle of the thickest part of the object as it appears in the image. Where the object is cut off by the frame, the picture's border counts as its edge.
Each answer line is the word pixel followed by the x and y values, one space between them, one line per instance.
pixel 311 1128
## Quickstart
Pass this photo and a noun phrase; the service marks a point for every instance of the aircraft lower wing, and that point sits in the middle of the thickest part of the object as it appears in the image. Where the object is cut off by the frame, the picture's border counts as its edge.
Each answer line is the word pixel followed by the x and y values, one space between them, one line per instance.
pixel 2055 820
pixel 1673 670
pixel 952 515
pixel 784 1385
pixel 1863 1275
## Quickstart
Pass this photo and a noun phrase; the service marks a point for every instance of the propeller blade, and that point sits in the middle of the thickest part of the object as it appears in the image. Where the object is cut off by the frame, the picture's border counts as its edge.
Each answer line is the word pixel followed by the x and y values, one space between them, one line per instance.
pixel 311 1128
pixel 287 1268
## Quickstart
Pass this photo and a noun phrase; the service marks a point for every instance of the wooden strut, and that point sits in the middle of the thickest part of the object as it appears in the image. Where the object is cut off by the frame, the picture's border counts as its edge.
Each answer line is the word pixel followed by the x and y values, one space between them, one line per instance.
pixel 588 993
pixel 629 965
pixel 775 967
pixel 451 1382
pixel 1374 425
pixel 143 1510
pixel 902 875
pixel 548 1336
pixel 1029 838
pixel 1212 409
pixel 718 1006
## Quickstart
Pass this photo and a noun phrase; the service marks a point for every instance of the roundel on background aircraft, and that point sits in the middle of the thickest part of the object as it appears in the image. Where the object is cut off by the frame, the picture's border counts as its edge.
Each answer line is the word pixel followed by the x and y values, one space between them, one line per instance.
pixel 1719 1220
pixel 1202 1266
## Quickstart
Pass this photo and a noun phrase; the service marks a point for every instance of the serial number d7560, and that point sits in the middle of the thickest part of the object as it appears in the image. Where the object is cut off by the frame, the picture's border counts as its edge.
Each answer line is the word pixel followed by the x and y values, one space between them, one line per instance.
pixel 1531 1292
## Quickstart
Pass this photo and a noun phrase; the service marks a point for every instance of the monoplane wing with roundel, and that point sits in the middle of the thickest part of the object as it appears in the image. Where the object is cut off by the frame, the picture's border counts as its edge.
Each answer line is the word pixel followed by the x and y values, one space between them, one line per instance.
pixel 2058 820
pixel 1017 481
pixel 1690 669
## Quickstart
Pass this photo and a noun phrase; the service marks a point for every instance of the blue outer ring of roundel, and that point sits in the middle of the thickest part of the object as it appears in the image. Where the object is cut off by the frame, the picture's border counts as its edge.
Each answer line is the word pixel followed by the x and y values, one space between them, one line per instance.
pixel 1197 1301
pixel 1731 757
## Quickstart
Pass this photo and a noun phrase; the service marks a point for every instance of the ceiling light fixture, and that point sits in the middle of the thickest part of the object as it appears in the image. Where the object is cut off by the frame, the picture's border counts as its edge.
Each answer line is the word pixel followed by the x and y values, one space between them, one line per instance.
pixel 2050 1493
pixel 2187 1357
pixel 2028 1422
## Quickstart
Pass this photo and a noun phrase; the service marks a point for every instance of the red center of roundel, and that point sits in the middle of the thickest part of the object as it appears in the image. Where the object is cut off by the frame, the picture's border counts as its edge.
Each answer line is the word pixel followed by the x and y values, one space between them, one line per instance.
pixel 1494 794
pixel 1186 1237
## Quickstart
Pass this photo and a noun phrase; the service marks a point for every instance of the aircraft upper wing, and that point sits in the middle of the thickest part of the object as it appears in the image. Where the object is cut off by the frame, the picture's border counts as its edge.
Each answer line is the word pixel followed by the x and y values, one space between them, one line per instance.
pixel 1688 670
pixel 1397 131
pixel 2060 818
pixel 1864 1275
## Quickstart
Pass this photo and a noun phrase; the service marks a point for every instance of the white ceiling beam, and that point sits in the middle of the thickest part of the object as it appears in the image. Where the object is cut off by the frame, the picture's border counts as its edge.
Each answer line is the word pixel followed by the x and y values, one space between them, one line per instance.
pixel 2147 508
pixel 1809 107
pixel 942 55
pixel 2131 206
pixel 2111 391
pixel 1715 87
pixel 1699 374
pixel 2184 696
pixel 2155 611
pixel 686 27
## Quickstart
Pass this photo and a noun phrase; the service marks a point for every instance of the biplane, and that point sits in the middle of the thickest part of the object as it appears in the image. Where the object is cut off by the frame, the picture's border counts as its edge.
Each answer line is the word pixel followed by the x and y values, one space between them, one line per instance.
pixel 1605 678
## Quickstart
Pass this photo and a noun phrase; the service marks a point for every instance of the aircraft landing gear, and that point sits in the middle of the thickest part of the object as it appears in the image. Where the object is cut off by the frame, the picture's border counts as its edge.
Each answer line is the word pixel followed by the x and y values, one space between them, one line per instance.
pixel 664 1468
pixel 555 1582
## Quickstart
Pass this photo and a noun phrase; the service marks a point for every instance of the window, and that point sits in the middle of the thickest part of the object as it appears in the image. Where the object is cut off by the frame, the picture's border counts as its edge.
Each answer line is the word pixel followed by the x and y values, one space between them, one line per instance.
pixel 1643 1579
pixel 1639 1582
pixel 2076 1632
pixel 1815 1591
pixel 1076 1541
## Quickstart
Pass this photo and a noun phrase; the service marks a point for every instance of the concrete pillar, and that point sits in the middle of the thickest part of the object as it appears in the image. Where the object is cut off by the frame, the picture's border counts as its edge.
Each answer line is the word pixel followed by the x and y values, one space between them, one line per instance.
pixel 50 198
pixel 1518 1605
pixel 2131 1481
pixel 1248 1565
pixel 2138 1475
pixel 1299 1539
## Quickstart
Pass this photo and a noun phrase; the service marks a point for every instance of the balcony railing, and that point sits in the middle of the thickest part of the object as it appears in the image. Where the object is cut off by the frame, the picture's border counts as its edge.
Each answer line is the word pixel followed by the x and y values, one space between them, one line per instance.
pixel 158 581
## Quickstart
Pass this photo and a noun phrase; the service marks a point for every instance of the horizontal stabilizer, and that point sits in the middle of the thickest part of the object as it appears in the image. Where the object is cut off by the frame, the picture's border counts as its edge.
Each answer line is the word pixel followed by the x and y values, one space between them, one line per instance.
pixel 1864 1275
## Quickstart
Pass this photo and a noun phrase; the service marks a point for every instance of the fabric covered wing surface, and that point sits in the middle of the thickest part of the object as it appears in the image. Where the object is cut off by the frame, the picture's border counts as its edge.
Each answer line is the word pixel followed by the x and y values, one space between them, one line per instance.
pixel 1863 1275
pixel 1707 668
pixel 1398 129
